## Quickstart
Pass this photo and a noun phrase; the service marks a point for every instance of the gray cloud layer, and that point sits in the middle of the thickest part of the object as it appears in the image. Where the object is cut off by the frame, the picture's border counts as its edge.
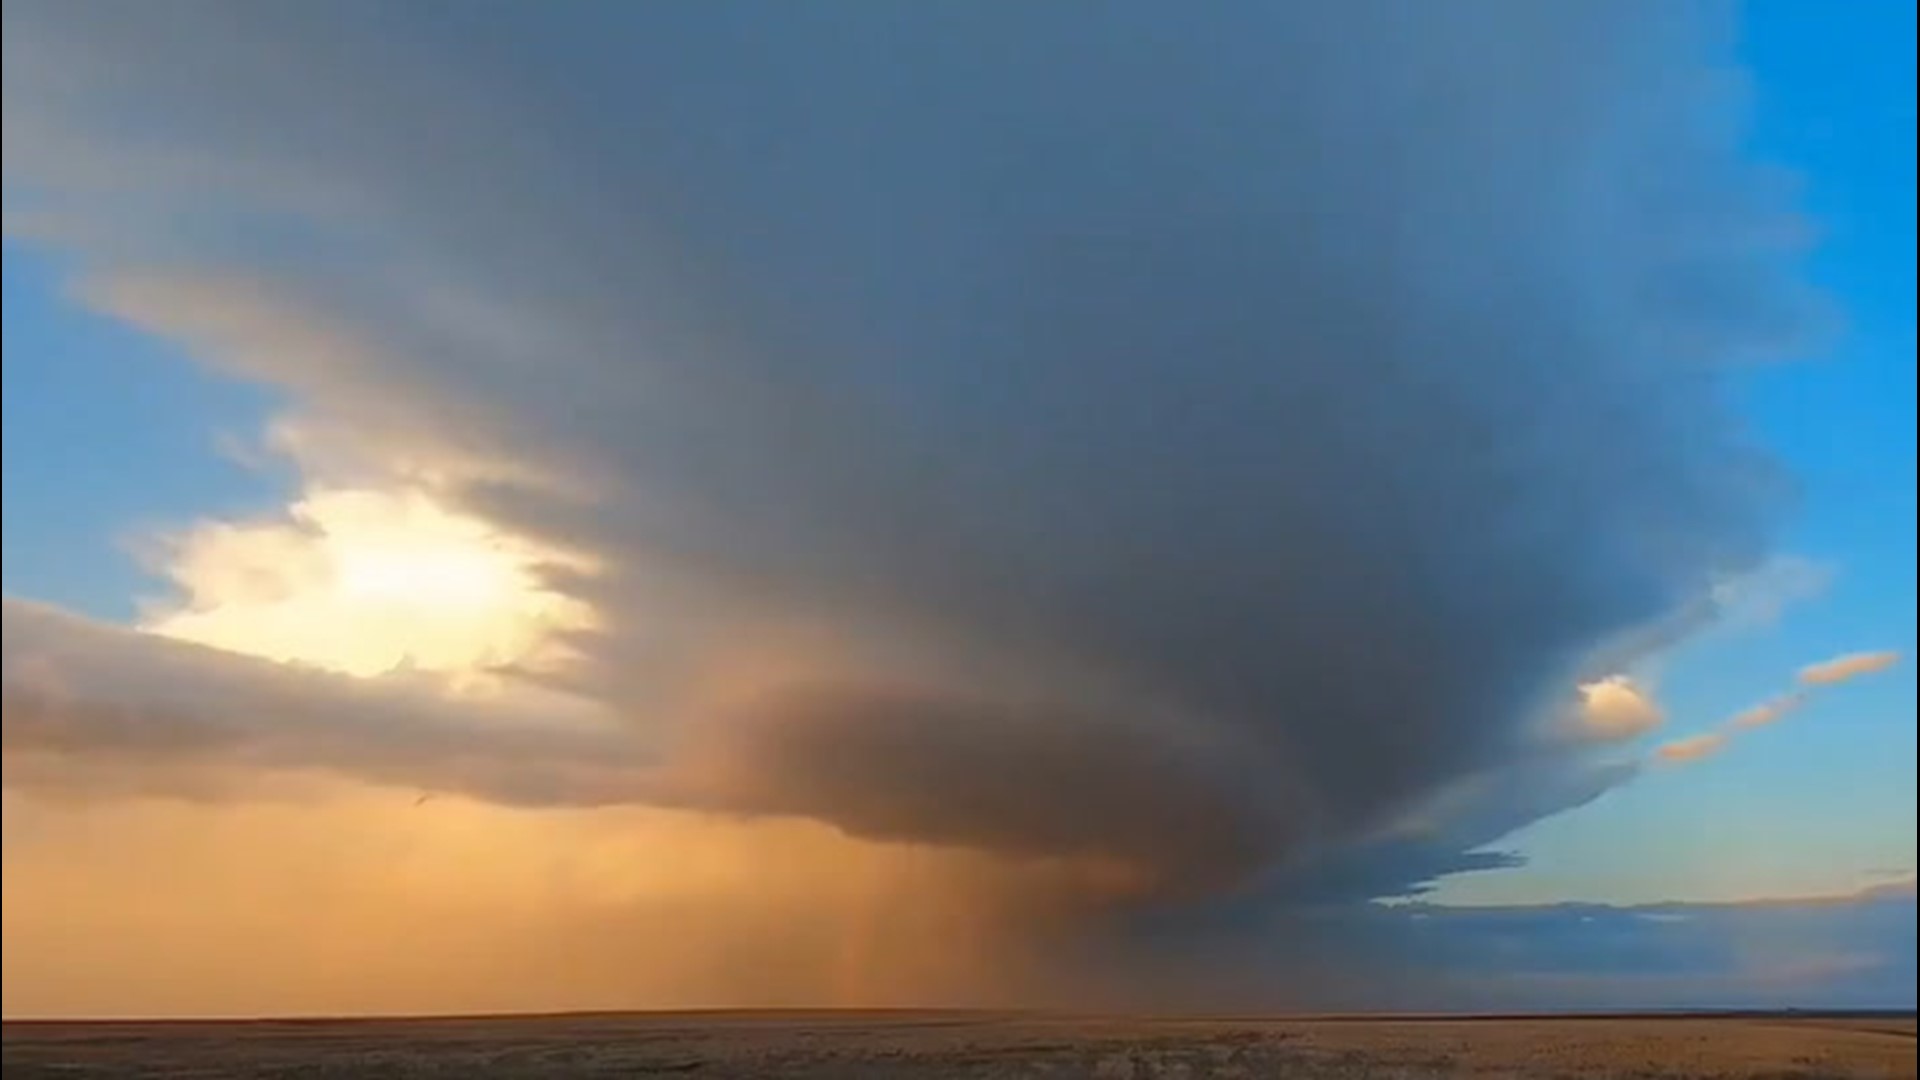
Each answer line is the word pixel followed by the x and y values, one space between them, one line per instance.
pixel 1200 439
pixel 169 716
pixel 1851 951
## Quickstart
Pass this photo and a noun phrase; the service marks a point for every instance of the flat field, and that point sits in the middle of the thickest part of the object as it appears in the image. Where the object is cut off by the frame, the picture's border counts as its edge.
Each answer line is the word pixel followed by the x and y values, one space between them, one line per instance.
pixel 802 1045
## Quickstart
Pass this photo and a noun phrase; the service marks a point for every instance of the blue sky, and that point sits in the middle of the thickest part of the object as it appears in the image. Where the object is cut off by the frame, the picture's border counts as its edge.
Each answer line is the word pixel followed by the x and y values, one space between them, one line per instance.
pixel 116 431
pixel 75 503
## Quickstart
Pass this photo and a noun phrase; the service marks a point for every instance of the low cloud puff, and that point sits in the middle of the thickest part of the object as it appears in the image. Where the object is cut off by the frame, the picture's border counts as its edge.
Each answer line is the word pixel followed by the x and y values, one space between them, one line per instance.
pixel 1614 708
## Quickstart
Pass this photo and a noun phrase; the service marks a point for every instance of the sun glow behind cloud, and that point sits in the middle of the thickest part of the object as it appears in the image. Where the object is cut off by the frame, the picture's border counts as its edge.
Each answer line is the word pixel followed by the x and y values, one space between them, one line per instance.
pixel 320 893
pixel 364 582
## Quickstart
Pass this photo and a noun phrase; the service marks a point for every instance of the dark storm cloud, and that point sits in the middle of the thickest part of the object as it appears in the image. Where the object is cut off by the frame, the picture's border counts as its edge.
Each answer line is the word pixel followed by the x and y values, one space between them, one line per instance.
pixel 1201 439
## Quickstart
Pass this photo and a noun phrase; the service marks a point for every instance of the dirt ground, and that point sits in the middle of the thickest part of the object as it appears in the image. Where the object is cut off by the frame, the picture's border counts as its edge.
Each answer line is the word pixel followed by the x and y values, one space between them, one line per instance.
pixel 803 1045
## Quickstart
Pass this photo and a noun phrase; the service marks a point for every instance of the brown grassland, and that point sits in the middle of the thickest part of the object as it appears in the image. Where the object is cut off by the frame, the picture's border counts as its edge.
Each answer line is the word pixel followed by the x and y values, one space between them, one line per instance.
pixel 952 1044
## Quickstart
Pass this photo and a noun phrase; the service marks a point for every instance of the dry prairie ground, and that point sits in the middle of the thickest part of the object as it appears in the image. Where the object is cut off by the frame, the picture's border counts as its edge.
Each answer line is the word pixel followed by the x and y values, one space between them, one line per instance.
pixel 950 1045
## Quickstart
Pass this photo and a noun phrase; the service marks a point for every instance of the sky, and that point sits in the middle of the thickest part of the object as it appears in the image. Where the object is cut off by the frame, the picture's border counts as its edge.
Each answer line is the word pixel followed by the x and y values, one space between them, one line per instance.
pixel 1309 508
pixel 1833 95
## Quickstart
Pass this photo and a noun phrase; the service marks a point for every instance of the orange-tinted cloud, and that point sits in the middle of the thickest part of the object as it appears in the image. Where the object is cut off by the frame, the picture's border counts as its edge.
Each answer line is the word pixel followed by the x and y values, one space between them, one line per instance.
pixel 1615 708
pixel 1842 668
pixel 1808 681
pixel 1766 712
pixel 1691 748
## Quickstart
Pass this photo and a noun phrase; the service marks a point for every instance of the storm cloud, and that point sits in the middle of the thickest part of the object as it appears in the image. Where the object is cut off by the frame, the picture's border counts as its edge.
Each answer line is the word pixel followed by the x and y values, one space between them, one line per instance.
pixel 1055 430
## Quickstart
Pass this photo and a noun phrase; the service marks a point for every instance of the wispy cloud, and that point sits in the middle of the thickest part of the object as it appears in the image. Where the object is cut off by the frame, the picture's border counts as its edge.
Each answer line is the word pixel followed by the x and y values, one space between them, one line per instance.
pixel 1760 596
pixel 1691 748
pixel 1808 681
pixel 1851 666
pixel 1767 711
